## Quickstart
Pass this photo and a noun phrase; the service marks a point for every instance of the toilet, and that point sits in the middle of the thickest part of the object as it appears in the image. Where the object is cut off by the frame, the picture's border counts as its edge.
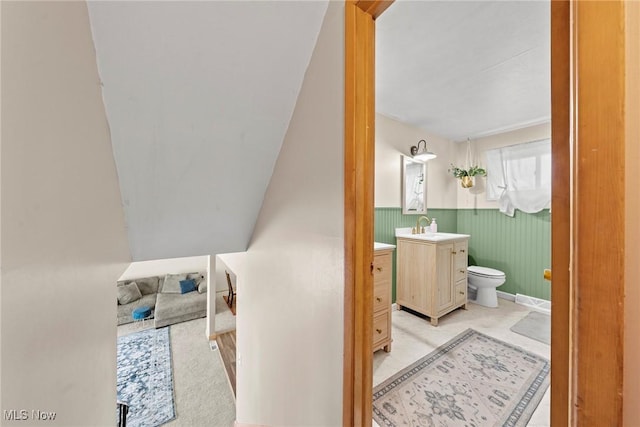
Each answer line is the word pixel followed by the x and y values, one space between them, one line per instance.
pixel 485 280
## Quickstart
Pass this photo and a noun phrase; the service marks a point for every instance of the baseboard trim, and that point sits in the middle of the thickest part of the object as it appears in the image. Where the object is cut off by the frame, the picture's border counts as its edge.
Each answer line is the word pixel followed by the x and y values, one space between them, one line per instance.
pixel 507 296
pixel 534 303
pixel 537 304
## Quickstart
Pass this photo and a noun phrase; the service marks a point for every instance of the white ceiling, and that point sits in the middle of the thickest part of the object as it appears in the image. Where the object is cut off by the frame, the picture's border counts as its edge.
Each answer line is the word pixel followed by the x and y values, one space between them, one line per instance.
pixel 464 69
pixel 198 97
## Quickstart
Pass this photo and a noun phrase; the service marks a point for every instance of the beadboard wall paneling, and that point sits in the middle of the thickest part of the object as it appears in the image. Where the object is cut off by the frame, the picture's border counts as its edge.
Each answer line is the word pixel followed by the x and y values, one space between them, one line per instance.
pixel 388 219
pixel 519 246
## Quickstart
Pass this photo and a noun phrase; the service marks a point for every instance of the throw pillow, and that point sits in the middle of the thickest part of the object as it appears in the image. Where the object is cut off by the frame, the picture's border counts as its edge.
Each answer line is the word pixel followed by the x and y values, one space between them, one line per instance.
pixel 148 285
pixel 195 276
pixel 172 283
pixel 200 281
pixel 188 285
pixel 128 293
pixel 202 286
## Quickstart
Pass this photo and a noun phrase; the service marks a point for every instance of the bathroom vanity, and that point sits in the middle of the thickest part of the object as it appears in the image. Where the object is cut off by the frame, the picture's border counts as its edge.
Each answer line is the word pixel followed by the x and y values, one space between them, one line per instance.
pixel 382 256
pixel 431 272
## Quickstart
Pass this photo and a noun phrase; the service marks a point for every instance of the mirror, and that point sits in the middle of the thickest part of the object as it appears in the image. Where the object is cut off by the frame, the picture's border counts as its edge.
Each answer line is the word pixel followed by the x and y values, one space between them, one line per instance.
pixel 414 186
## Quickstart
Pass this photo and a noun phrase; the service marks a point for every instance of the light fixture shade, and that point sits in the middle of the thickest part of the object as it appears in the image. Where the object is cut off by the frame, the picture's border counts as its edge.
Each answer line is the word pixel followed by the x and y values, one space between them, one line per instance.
pixel 422 155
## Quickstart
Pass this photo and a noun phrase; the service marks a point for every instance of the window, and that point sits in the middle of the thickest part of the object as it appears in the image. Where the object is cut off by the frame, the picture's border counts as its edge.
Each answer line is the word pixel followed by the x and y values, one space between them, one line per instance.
pixel 519 176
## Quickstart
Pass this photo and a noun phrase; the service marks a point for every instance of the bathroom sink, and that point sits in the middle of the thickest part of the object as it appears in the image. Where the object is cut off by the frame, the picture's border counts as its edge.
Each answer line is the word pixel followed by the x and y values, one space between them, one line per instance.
pixel 429 237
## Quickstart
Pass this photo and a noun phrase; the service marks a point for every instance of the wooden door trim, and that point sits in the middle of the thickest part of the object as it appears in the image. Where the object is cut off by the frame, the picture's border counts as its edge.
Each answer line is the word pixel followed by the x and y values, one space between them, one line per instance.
pixel 374 7
pixel 631 412
pixel 561 210
pixel 358 217
pixel 598 197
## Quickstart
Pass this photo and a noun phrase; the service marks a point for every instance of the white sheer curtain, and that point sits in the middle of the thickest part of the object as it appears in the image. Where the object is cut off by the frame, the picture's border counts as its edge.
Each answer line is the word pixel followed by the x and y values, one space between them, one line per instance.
pixel 519 176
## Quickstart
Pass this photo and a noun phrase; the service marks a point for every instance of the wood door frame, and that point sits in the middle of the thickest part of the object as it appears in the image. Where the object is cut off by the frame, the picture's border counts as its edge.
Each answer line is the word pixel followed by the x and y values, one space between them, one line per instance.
pixel 585 320
pixel 561 216
pixel 358 204
pixel 597 196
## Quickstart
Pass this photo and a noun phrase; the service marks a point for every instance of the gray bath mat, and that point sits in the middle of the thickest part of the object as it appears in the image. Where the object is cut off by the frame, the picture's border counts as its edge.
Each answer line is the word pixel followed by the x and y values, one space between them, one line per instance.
pixel 536 326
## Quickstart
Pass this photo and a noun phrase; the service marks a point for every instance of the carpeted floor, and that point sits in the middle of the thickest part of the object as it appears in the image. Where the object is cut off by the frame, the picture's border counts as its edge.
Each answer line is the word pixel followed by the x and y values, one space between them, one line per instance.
pixel 201 389
pixel 203 396
pixel 474 380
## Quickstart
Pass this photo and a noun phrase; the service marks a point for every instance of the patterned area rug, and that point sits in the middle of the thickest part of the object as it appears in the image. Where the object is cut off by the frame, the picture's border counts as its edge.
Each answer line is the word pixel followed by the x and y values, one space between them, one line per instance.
pixel 145 380
pixel 473 380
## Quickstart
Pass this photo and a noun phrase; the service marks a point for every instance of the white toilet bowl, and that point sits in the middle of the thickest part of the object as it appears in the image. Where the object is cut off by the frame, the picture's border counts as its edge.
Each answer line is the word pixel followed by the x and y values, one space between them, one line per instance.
pixel 485 280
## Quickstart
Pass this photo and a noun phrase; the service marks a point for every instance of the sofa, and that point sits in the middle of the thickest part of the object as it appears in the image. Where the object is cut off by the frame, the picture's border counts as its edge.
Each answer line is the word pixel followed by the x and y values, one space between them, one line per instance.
pixel 173 298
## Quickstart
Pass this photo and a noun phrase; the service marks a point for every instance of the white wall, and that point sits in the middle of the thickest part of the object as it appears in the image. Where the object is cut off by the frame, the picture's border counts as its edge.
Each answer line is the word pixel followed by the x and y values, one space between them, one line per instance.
pixel 161 267
pixel 290 309
pixel 234 264
pixel 64 243
pixel 476 197
pixel 394 138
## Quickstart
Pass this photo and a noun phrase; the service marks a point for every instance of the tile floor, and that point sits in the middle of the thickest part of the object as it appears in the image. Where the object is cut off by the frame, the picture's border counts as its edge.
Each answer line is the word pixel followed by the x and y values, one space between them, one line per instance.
pixel 414 337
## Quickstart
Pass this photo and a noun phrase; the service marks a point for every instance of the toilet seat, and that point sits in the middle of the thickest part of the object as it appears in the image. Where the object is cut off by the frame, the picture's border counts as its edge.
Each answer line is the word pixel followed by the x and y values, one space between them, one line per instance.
pixel 485 272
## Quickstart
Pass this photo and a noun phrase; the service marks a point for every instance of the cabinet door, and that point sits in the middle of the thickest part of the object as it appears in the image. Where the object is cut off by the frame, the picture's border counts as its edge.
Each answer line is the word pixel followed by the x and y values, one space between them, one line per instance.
pixel 445 285
pixel 415 262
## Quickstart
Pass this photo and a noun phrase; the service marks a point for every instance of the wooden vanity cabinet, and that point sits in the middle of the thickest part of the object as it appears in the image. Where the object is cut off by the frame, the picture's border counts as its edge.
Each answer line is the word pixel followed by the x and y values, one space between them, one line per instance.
pixel 382 299
pixel 432 276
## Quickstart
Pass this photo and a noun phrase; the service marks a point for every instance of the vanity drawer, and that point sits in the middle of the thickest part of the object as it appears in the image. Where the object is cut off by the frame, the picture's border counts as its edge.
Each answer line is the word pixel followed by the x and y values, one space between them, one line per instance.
pixel 380 327
pixel 460 261
pixel 461 292
pixel 382 268
pixel 381 297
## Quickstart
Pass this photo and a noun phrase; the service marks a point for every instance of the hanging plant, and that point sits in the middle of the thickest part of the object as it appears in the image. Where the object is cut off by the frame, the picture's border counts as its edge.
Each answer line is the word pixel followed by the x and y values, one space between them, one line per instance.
pixel 466 175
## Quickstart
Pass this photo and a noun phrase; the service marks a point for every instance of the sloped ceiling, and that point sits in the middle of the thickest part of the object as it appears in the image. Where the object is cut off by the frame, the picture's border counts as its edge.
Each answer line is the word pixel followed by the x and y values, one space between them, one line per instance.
pixel 198 97
pixel 464 68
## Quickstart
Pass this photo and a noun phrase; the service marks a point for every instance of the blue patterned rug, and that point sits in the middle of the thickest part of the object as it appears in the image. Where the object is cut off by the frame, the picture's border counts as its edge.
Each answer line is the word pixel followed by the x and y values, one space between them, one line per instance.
pixel 145 379
pixel 473 380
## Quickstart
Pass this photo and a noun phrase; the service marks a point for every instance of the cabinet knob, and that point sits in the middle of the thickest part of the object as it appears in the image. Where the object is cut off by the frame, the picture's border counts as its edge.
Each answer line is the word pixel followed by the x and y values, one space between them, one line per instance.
pixel 379 331
pixel 461 292
pixel 462 250
pixel 462 271
pixel 378 299
pixel 454 252
pixel 379 268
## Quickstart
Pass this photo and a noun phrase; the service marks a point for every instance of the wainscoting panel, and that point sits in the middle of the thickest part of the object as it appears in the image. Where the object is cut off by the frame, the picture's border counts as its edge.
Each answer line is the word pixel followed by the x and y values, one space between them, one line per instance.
pixel 388 219
pixel 519 246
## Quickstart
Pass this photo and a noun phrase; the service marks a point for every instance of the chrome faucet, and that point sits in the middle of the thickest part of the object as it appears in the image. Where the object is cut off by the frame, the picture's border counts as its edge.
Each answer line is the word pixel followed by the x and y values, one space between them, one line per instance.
pixel 417 229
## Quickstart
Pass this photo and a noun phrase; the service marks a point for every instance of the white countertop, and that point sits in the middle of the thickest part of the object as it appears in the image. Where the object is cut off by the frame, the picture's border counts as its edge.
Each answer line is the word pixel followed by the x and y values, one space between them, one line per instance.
pixel 405 233
pixel 377 246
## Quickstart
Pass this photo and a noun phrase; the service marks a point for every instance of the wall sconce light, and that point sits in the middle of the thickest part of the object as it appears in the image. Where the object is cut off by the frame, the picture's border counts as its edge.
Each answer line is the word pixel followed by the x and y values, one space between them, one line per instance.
pixel 422 155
